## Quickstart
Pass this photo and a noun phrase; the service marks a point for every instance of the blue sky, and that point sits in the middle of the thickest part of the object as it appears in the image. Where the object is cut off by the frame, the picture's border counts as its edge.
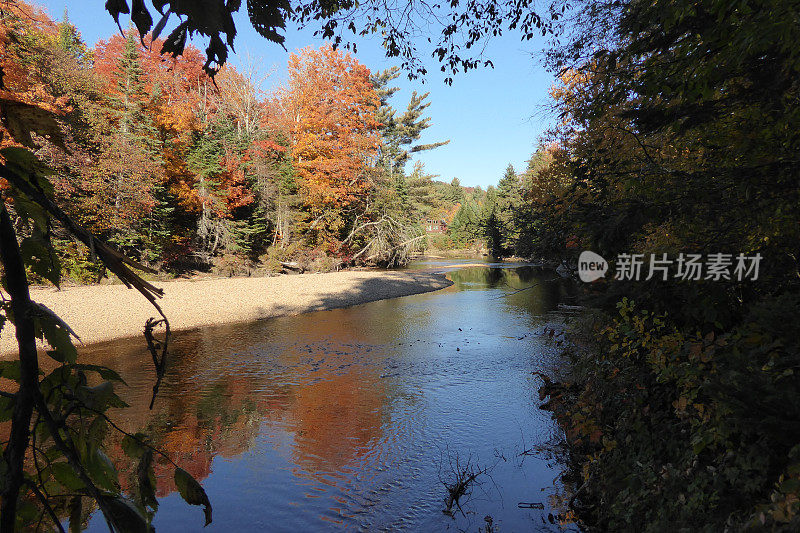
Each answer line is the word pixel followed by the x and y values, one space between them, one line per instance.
pixel 492 117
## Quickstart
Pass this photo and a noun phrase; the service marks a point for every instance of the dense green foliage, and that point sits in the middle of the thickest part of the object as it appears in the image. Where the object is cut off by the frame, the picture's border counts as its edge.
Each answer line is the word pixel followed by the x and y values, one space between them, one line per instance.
pixel 679 135
pixel 515 218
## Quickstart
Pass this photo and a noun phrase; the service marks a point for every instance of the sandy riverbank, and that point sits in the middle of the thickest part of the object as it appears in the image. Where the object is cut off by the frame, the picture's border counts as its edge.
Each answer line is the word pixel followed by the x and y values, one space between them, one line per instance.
pixel 105 312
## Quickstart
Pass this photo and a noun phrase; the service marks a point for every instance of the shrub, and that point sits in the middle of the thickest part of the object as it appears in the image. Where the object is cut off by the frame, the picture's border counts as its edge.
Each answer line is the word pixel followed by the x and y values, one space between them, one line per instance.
pixel 76 262
pixel 673 429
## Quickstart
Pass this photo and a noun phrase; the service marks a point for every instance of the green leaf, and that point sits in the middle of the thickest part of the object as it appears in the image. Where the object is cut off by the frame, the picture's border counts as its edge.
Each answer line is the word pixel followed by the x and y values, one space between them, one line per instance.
pixel 28 210
pixel 146 479
pixel 56 332
pixel 65 474
pixel 22 160
pixel 700 443
pixel 10 370
pixel 791 486
pixel 115 7
pixel 124 515
pixel 6 408
pixel 22 119
pixel 104 372
pixel 27 513
pixel 56 355
pixel 191 492
pixel 101 397
pixel 98 429
pixel 102 471
pixel 141 17
pixel 38 254
pixel 131 446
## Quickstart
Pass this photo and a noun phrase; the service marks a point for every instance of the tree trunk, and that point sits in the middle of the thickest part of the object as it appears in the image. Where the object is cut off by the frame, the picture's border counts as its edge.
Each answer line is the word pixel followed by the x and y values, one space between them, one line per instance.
pixel 14 454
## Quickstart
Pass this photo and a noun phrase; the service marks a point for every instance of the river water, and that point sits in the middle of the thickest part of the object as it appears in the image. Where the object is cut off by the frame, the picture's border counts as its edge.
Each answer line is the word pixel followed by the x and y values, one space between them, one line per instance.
pixel 355 418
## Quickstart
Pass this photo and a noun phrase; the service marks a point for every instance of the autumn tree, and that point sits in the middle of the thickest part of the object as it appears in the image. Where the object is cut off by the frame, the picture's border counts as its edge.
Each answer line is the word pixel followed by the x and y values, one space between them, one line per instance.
pixel 241 98
pixel 128 168
pixel 547 193
pixel 275 185
pixel 261 146
pixel 241 185
pixel 335 140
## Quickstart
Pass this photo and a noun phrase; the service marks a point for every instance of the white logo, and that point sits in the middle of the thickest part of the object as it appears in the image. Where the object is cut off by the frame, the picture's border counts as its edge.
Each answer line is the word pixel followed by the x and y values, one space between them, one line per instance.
pixel 591 266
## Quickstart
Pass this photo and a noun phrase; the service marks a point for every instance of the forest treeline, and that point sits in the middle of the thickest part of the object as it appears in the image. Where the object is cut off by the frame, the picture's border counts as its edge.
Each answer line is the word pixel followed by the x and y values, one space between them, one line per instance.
pixel 182 172
pixel 509 220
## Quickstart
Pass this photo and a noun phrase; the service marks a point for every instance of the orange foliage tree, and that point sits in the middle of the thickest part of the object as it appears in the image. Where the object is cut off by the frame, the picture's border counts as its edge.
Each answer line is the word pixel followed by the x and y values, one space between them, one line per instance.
pixel 331 104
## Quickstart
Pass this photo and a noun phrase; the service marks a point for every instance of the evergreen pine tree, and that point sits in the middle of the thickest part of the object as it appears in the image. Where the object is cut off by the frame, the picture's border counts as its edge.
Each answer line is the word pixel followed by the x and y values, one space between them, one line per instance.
pixel 204 161
pixel 69 40
pixel 466 226
pixel 135 141
pixel 454 192
pixel 134 123
pixel 157 224
pixel 421 192
pixel 509 199
pixel 402 191
pixel 400 133
pixel 489 204
pixel 494 237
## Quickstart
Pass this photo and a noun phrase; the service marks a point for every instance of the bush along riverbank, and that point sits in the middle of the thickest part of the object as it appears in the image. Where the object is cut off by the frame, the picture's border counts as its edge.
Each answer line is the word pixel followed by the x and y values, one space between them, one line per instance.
pixel 671 428
pixel 678 144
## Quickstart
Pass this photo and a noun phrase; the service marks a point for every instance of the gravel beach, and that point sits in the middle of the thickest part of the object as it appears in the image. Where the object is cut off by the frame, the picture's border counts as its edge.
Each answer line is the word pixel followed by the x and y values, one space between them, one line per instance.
pixel 105 312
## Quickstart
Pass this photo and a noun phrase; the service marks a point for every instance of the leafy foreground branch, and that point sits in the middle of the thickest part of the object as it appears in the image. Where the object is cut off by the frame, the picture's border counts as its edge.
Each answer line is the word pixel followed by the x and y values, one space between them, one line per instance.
pixel 53 464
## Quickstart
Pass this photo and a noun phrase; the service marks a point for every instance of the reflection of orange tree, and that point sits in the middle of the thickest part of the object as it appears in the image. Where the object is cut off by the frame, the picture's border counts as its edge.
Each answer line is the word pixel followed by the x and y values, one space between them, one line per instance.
pixel 195 426
pixel 334 412
pixel 336 419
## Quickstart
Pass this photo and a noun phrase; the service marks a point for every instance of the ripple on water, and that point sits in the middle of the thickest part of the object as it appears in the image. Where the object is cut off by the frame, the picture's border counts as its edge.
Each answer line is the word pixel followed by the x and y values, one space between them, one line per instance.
pixel 351 418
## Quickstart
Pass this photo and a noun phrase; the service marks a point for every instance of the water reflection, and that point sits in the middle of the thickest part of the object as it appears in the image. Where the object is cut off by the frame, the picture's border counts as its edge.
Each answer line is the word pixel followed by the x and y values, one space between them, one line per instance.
pixel 215 403
pixel 343 418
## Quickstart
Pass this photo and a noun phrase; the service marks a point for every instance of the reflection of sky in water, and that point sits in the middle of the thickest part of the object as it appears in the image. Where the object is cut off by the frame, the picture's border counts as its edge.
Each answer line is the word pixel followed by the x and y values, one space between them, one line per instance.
pixel 347 417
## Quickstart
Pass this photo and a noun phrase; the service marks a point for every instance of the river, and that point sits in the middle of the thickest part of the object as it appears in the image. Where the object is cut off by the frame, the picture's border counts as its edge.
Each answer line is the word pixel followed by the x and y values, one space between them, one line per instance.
pixel 355 418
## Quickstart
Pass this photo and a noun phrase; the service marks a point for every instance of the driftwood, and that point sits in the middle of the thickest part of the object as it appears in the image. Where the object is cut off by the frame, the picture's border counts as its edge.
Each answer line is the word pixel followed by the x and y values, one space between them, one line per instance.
pixel 389 241
pixel 293 265
pixel 462 477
